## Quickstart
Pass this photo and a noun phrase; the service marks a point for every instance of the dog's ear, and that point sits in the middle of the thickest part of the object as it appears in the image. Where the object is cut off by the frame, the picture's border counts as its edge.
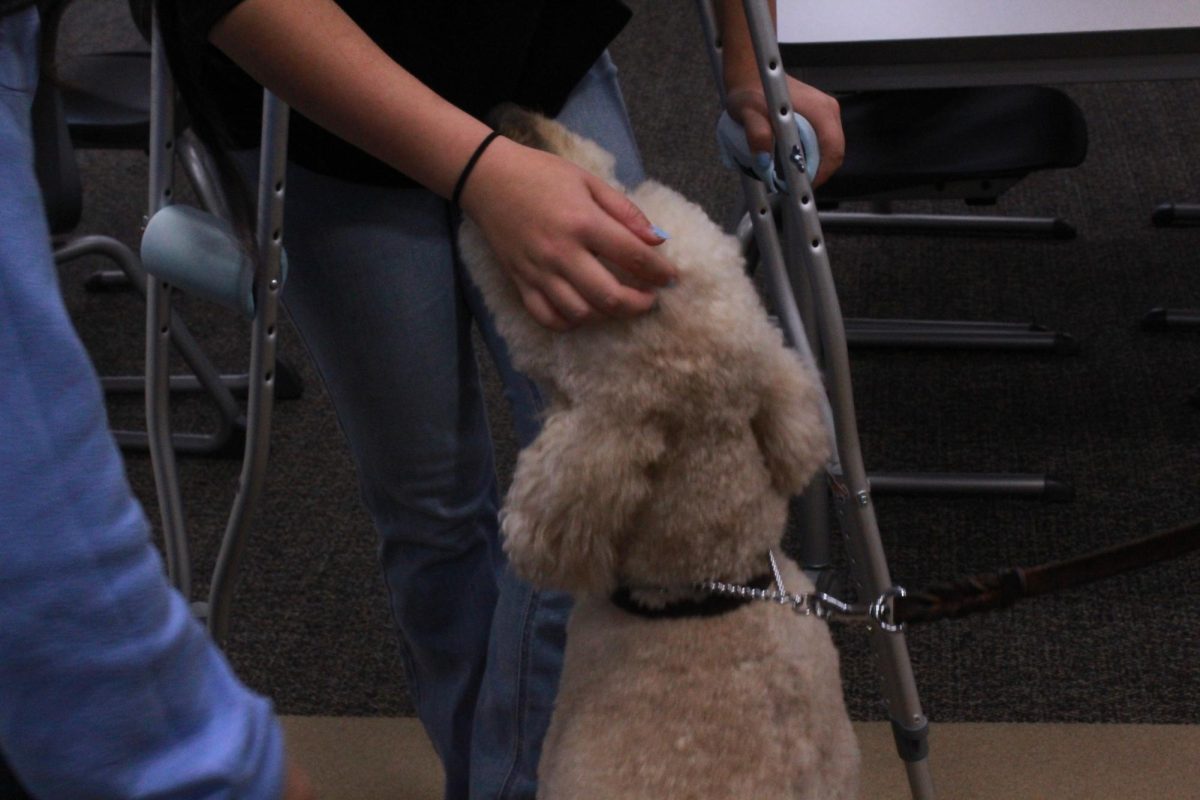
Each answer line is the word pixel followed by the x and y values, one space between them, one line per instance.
pixel 789 426
pixel 542 133
pixel 573 497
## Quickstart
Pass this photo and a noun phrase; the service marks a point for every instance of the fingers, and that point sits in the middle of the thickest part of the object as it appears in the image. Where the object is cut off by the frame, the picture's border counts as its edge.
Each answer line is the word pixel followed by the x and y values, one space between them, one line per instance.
pixel 556 230
pixel 825 114
pixel 579 290
pixel 540 308
pixel 623 210
pixel 749 107
pixel 609 238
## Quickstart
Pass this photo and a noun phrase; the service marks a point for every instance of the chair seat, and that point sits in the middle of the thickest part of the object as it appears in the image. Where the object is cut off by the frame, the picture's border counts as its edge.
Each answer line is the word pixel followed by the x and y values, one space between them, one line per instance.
pixel 900 140
pixel 106 99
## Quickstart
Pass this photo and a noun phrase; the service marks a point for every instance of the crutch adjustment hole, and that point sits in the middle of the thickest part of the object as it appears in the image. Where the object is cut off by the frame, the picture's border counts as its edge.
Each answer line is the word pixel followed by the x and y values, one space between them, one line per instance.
pixel 816 243
pixel 805 200
pixel 762 212
pixel 773 66
pixel 783 110
pixel 168 144
pixel 275 235
pixel 165 286
pixel 267 377
pixel 167 192
pixel 278 187
pixel 270 330
pixel 163 329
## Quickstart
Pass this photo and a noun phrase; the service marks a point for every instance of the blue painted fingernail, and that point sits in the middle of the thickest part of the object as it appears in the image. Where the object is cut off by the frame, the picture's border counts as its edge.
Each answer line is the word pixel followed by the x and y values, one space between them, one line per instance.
pixel 659 232
pixel 762 167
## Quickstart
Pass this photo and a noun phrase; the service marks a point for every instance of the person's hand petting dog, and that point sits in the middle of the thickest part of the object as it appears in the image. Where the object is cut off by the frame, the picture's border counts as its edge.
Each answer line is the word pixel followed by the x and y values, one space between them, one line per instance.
pixel 551 223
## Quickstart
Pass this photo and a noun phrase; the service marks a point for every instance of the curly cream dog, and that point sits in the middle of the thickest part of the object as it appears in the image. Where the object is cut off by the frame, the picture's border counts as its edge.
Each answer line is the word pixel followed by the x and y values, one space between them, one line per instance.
pixel 669 451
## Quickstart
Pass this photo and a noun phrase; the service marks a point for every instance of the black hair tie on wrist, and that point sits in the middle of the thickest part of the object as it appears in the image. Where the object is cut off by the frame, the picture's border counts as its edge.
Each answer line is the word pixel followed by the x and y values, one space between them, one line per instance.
pixel 466 173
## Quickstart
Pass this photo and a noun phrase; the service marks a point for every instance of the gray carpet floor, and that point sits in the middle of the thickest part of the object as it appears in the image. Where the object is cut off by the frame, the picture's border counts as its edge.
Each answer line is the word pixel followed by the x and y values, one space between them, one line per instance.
pixel 311 626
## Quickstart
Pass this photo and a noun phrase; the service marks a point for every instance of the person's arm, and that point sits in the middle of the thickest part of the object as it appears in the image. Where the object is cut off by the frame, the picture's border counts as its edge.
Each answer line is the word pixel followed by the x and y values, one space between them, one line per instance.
pixel 748 105
pixel 549 221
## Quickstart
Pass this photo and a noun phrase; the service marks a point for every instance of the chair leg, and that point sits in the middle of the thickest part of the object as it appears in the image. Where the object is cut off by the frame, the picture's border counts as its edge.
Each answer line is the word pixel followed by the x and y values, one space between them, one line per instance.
pixel 960 224
pixel 1162 319
pixel 1032 486
pixel 957 334
pixel 288 383
pixel 228 437
pixel 929 334
pixel 1171 214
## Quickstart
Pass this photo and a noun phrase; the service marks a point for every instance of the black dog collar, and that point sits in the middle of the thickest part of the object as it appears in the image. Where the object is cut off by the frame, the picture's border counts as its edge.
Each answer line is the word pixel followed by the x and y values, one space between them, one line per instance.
pixel 711 606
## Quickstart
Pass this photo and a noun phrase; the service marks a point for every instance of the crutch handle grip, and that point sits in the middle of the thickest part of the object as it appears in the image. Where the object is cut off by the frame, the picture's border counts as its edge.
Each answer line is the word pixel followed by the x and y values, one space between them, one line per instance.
pixel 736 153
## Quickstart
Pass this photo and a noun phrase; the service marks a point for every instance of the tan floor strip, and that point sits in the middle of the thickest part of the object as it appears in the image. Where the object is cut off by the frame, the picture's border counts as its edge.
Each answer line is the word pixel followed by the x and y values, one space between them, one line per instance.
pixel 374 758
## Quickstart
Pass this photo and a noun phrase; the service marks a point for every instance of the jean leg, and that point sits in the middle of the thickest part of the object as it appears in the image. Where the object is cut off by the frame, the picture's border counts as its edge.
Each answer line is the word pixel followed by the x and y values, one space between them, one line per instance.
pixel 529 626
pixel 373 291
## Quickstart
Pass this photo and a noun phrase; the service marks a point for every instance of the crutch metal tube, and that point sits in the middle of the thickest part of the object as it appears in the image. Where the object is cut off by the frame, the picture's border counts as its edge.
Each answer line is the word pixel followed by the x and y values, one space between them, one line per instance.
pixel 158 329
pixel 815 548
pixel 815 551
pixel 201 171
pixel 803 227
pixel 268 283
pixel 760 209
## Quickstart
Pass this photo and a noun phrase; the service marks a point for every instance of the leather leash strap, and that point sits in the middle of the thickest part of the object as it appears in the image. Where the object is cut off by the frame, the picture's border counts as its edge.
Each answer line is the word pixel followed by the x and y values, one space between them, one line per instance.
pixel 989 591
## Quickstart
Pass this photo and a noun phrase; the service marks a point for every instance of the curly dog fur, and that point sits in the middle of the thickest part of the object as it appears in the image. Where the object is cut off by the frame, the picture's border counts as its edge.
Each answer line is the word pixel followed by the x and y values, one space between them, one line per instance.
pixel 669 451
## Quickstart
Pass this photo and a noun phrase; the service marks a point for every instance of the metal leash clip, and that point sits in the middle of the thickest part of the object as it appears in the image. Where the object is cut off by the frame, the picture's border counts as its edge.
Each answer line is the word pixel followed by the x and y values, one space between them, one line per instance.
pixel 823 606
pixel 880 612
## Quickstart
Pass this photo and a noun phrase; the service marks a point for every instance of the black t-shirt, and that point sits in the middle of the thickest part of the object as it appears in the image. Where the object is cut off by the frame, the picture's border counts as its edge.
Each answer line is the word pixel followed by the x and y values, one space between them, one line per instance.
pixel 474 53
pixel 13 6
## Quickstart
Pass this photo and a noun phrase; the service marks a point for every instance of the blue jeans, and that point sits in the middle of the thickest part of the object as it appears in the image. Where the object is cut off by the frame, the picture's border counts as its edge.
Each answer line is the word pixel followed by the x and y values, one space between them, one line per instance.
pixel 386 309
pixel 108 687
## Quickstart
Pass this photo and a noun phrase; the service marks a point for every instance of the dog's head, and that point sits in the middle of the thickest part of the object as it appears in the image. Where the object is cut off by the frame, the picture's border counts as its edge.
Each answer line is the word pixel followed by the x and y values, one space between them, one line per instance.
pixel 534 130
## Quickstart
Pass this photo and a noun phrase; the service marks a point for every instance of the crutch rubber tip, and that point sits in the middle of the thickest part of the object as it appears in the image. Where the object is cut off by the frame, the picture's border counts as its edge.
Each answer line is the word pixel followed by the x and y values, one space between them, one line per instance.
pixel 1155 319
pixel 1057 490
pixel 1065 344
pixel 1061 229
pixel 1164 215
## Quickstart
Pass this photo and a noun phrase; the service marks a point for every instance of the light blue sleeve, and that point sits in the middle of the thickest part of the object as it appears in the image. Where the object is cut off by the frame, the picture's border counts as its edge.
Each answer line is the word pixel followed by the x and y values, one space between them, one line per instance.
pixel 108 688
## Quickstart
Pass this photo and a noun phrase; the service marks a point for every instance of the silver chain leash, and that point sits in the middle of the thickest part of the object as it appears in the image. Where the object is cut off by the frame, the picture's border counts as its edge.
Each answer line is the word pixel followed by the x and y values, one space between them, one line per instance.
pixel 817 604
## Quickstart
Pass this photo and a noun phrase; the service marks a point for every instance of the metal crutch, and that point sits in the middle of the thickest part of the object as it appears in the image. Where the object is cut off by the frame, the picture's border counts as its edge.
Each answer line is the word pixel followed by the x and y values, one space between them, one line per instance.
pixel 801 269
pixel 266 281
